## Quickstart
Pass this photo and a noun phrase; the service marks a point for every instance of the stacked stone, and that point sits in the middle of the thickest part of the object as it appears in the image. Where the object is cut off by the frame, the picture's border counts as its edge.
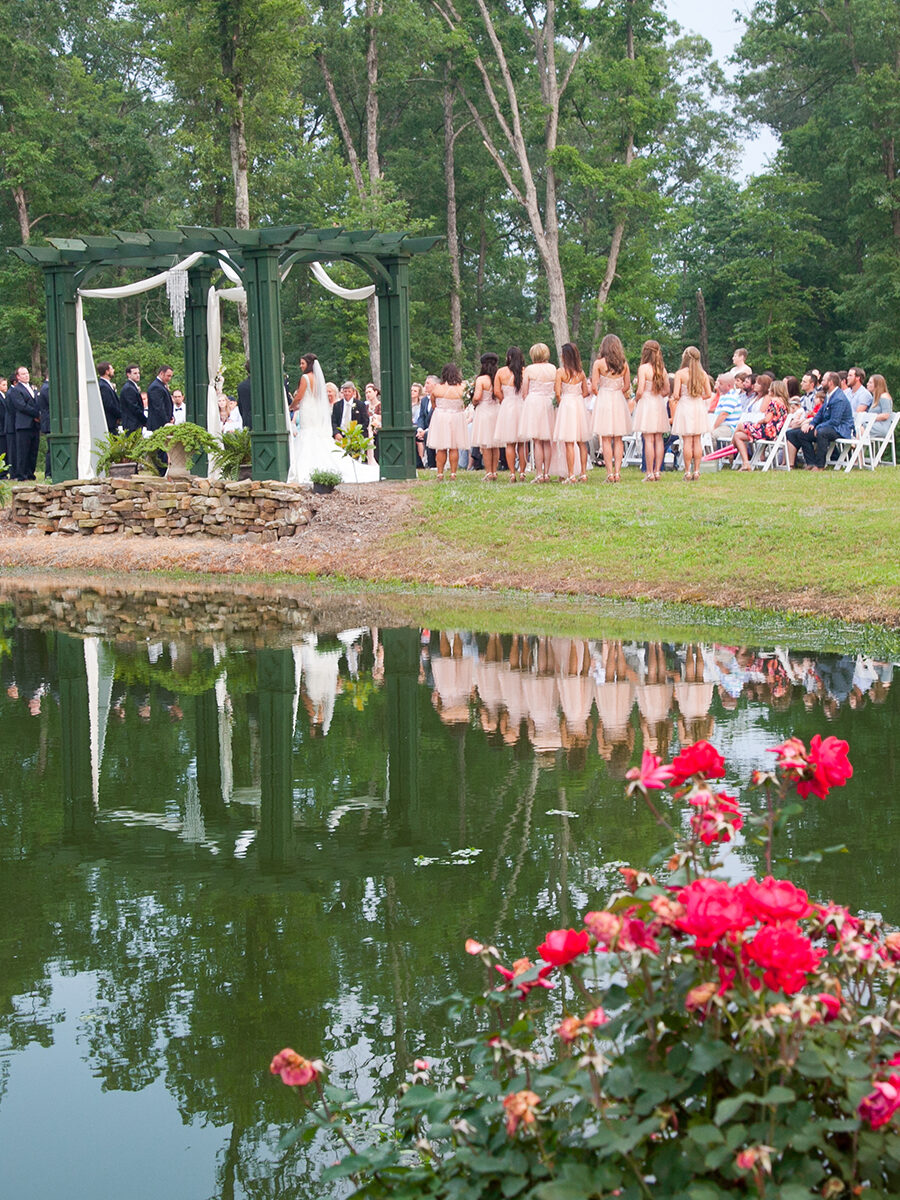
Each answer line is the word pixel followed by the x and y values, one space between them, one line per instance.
pixel 209 616
pixel 146 506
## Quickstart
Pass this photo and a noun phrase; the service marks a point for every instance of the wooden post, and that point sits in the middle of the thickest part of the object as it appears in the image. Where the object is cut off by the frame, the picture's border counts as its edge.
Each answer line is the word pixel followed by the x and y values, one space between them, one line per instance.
pixel 275 684
pixel 397 449
pixel 196 344
pixel 262 283
pixel 62 371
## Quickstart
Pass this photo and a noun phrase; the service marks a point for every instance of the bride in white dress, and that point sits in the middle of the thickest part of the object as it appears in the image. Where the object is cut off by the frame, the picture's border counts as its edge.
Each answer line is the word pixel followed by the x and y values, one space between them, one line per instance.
pixel 312 444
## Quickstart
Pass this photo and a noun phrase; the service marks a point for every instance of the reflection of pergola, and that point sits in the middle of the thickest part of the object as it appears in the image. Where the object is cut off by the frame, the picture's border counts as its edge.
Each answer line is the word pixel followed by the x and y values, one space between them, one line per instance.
pixel 260 257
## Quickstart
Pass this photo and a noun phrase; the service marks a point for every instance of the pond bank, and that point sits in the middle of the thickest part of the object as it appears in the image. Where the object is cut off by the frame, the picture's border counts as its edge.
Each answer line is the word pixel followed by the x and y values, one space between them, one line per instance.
pixel 725 545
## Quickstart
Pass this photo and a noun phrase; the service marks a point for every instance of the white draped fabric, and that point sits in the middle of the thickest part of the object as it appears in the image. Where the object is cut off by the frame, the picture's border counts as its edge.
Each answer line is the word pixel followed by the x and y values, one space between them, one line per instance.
pixel 100 669
pixel 91 417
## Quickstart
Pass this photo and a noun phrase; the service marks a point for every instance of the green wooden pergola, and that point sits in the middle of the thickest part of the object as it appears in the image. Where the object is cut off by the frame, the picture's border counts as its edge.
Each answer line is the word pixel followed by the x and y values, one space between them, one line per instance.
pixel 260 256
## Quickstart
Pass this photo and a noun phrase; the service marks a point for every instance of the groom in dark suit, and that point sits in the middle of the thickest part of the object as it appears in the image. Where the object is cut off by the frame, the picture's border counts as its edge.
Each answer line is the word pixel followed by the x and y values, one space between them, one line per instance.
pixel 349 408
pixel 105 373
pixel 159 400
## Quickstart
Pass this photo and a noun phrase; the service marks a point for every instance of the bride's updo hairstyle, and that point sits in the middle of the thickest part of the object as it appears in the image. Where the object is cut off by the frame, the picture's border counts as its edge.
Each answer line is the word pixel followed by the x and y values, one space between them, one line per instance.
pixel 310 359
pixel 451 376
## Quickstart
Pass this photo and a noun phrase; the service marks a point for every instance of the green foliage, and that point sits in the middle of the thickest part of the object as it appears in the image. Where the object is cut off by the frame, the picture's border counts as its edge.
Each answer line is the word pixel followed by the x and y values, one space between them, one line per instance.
pixel 195 439
pixel 120 448
pixel 233 452
pixel 354 442
pixel 325 477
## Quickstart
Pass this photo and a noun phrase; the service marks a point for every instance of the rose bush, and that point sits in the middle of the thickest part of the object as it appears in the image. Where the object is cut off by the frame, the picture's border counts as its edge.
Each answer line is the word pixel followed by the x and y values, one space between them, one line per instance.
pixel 696 1039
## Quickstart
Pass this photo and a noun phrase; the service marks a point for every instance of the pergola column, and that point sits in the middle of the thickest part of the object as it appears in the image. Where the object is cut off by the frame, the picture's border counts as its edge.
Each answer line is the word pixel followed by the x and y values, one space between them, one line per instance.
pixel 401 685
pixel 269 438
pixel 74 735
pixel 62 368
pixel 275 686
pixel 196 342
pixel 396 444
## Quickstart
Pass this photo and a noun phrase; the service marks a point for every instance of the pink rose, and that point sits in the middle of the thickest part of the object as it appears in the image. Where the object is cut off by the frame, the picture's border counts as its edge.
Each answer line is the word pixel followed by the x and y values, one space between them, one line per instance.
pixel 712 909
pixel 699 759
pixel 775 899
pixel 785 955
pixel 560 946
pixel 880 1105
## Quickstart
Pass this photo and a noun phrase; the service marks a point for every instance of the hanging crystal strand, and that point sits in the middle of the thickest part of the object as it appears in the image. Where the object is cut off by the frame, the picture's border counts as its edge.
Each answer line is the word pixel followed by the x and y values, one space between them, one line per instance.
pixel 176 291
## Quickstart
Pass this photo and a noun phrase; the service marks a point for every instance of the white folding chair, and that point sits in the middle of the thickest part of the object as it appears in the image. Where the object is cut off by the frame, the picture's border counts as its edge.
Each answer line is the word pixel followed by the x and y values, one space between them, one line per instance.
pixel 634 447
pixel 874 449
pixel 850 450
pixel 766 451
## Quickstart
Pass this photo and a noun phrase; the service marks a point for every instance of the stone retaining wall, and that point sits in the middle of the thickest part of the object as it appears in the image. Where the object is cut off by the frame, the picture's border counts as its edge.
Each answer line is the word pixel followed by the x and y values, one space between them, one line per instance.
pixel 147 506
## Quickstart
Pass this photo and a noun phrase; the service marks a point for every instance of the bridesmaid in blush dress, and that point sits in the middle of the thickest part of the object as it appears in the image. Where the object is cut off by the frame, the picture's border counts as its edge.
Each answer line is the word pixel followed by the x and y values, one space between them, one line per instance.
pixel 691 394
pixel 508 390
pixel 651 420
pixel 571 426
pixel 611 381
pixel 448 432
pixel 539 382
pixel 487 410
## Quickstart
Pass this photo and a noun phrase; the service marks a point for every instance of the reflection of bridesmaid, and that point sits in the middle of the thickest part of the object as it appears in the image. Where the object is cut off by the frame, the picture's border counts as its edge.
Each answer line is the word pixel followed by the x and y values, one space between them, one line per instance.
pixel 542 700
pixel 694 696
pixel 654 697
pixel 452 676
pixel 614 694
pixel 487 678
pixel 576 694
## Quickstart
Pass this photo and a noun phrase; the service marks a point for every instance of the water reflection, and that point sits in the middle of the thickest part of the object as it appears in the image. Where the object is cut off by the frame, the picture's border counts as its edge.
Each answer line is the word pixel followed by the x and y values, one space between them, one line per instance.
pixel 213 848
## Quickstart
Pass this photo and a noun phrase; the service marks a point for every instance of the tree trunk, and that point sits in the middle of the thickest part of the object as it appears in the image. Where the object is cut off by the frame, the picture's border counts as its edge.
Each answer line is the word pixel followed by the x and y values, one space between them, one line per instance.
pixel 230 40
pixel 479 283
pixel 615 245
pixel 372 97
pixel 704 331
pixel 452 231
pixel 21 202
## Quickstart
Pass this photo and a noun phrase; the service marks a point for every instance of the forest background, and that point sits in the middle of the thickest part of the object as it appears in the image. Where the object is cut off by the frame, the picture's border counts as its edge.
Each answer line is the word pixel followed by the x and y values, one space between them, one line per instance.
pixel 581 162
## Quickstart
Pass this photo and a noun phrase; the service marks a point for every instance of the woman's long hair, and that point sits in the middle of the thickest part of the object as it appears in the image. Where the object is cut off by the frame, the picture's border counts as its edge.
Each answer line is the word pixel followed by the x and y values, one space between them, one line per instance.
pixel 489 364
pixel 450 375
pixel 571 360
pixel 311 360
pixel 515 360
pixel 652 354
pixel 613 353
pixel 696 374
pixel 879 387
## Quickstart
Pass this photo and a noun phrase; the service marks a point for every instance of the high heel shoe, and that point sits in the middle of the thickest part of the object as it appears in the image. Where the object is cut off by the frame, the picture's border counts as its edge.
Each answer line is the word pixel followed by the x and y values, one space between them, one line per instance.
pixel 582 478
pixel 452 476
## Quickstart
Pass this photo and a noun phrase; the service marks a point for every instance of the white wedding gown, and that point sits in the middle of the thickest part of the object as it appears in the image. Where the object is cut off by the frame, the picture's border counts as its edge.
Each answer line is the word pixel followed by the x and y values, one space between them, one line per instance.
pixel 312 444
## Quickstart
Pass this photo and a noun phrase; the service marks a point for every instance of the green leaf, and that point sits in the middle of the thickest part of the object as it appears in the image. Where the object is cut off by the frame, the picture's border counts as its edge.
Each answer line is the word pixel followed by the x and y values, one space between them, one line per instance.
pixel 778 1095
pixel 705 1135
pixel 741 1069
pixel 707 1055
pixel 732 1105
pixel 513 1184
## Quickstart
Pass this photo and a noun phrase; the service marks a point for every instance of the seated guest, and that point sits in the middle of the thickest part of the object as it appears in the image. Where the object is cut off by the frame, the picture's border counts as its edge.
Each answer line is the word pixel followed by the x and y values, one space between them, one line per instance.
pixel 808 392
pixel 769 427
pixel 727 413
pixel 859 396
pixel 834 420
pixel 881 403
pixel 748 384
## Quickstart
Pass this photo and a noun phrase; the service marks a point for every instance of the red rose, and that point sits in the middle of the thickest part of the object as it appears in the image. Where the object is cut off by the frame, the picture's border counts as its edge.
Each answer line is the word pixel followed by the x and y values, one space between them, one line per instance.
pixel 829 764
pixel 880 1105
pixel 560 946
pixel 718 818
pixel 775 899
pixel 785 955
pixel 294 1070
pixel 699 759
pixel 712 909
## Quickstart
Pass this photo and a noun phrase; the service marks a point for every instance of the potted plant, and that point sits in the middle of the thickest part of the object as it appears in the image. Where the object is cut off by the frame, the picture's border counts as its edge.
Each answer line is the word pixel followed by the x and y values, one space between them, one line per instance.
pixel 120 454
pixel 233 457
pixel 324 480
pixel 183 444
pixel 355 445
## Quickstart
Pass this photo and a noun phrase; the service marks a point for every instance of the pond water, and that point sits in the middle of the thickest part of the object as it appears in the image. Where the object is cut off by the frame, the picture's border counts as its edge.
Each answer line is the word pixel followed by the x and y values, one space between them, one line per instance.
pixel 214 844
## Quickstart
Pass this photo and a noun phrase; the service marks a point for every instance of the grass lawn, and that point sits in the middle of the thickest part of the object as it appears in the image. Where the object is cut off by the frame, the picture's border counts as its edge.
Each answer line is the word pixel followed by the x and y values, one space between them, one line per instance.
pixel 785 541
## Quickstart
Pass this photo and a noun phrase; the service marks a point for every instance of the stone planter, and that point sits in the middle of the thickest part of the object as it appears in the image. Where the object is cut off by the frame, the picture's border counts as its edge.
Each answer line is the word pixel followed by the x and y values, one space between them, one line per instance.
pixel 122 470
pixel 178 468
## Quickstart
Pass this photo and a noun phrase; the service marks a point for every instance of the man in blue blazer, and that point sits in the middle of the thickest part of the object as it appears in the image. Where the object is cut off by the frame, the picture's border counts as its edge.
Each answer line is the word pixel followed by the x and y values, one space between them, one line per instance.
pixel 159 400
pixel 23 399
pixel 834 420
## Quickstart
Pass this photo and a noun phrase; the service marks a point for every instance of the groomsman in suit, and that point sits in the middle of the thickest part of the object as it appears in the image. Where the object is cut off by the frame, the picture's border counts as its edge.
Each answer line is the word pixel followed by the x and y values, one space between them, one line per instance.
pixel 243 399
pixel 109 396
pixel 44 406
pixel 159 400
pixel 349 408
pixel 130 403
pixel 5 448
pixel 24 401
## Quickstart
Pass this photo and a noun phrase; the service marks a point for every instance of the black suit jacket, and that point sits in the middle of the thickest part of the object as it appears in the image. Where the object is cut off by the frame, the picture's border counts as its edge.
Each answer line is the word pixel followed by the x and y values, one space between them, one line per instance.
pixel 159 404
pixel 426 409
pixel 6 416
pixel 358 412
pixel 111 405
pixel 26 407
pixel 244 406
pixel 44 406
pixel 131 406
